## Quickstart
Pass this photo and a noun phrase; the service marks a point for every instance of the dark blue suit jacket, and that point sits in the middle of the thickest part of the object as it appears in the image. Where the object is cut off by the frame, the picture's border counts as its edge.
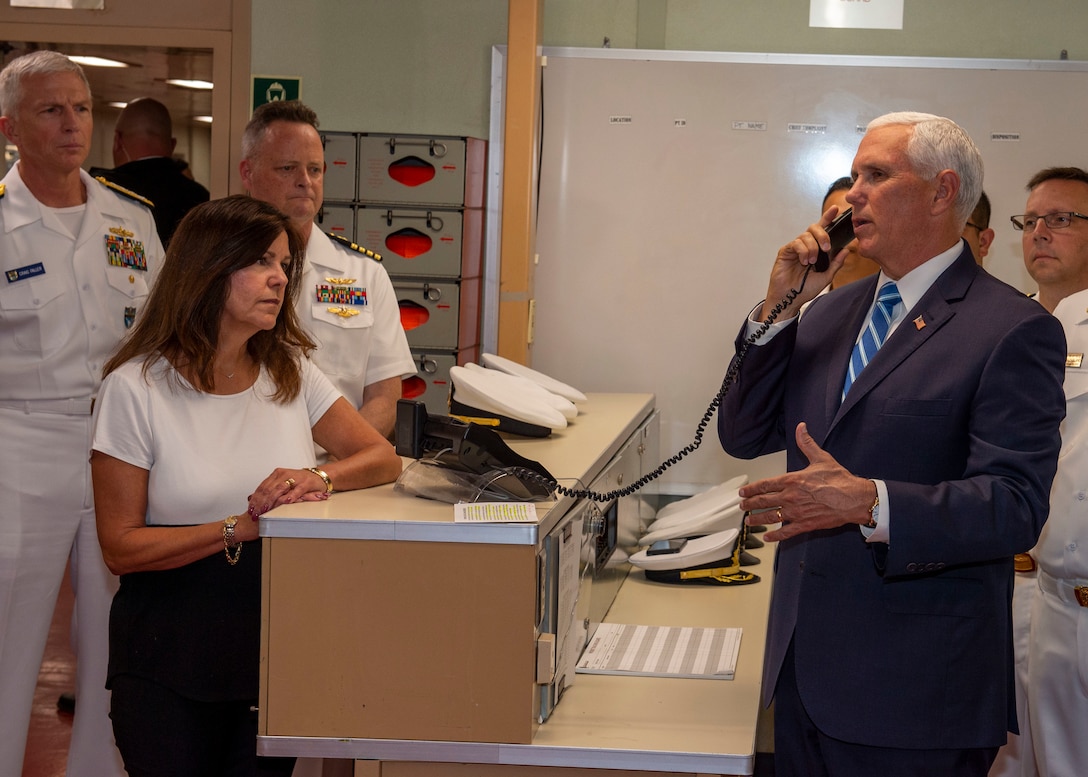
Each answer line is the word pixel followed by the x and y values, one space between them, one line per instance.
pixel 908 644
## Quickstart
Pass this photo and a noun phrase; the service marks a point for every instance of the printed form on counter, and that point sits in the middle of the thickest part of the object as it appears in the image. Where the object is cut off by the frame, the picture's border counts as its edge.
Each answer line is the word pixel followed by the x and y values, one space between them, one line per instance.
pixel 662 651
pixel 494 512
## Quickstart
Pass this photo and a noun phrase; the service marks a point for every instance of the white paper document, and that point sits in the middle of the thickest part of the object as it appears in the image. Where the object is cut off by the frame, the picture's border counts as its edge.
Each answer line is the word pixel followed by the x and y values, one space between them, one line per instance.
pixel 662 651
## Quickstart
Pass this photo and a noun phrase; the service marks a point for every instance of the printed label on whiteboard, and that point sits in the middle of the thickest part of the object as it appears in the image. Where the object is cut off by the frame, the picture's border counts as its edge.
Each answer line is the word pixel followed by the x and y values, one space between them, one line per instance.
pixel 619 120
pixel 754 126
pixel 1014 136
pixel 811 129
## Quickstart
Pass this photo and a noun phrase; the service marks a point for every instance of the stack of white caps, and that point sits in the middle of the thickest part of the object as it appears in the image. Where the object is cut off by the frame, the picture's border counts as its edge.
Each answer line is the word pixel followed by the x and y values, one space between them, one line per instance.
pixel 711 527
pixel 516 392
pixel 702 550
pixel 714 510
pixel 546 381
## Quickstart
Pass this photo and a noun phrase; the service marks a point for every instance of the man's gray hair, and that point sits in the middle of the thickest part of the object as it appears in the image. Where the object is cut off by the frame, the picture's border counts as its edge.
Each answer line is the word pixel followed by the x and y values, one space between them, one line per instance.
pixel 35 63
pixel 939 144
pixel 291 111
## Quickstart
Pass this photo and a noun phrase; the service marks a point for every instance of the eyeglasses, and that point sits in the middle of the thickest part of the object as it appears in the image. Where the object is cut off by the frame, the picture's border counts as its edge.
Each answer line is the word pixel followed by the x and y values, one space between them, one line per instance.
pixel 1059 220
pixel 973 226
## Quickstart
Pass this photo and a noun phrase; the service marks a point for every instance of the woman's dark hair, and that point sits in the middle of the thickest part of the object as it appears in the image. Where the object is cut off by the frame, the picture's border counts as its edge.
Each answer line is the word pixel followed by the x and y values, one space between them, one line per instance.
pixel 180 320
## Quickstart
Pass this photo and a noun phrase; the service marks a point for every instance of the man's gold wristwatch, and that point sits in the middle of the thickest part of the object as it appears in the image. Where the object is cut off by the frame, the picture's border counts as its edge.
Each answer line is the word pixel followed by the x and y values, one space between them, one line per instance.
pixel 874 512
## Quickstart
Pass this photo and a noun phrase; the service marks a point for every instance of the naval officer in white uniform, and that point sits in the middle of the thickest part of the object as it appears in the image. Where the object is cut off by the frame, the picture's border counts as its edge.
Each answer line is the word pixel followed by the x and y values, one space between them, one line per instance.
pixel 347 302
pixel 1055 242
pixel 78 259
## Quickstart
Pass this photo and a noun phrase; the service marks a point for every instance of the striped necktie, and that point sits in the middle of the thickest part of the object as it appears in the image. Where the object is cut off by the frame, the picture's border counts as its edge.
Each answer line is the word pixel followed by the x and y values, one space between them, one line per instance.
pixel 874 334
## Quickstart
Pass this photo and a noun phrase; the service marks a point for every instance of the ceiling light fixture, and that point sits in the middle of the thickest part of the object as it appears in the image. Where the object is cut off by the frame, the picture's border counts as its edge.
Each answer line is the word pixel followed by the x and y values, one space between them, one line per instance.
pixel 97 61
pixel 187 83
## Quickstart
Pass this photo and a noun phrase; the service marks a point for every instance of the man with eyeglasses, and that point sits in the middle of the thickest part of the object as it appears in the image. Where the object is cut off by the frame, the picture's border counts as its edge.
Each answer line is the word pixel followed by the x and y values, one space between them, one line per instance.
pixel 1055 241
pixel 916 471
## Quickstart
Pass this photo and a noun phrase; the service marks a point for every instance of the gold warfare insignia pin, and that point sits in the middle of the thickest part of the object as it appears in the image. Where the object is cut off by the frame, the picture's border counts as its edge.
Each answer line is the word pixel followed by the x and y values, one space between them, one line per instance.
pixel 1074 360
pixel 340 281
pixel 344 312
pixel 121 232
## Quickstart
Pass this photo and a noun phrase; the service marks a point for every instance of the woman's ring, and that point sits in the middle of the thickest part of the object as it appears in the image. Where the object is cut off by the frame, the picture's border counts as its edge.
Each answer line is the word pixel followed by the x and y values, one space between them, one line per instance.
pixel 290 483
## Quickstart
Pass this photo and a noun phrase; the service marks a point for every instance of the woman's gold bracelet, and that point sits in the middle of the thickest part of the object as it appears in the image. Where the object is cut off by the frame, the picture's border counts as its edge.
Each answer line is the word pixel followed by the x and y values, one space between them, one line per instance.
pixel 229 543
pixel 322 474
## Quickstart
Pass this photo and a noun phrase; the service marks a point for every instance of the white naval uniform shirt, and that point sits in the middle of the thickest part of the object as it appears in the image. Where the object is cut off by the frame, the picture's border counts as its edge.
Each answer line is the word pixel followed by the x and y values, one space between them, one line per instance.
pixel 353 350
pixel 1062 549
pixel 63 306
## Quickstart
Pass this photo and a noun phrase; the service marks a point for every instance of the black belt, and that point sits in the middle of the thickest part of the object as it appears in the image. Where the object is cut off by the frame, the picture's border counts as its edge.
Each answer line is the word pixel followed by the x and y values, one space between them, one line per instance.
pixel 51 406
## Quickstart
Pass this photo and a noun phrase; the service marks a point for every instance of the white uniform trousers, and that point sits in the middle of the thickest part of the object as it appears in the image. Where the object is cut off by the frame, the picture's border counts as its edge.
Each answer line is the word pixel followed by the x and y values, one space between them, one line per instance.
pixel 1058 693
pixel 47 517
pixel 1017 758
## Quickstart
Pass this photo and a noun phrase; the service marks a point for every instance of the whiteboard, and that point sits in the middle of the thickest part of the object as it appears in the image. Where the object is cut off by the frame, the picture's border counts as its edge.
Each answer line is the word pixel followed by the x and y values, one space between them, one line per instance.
pixel 668 181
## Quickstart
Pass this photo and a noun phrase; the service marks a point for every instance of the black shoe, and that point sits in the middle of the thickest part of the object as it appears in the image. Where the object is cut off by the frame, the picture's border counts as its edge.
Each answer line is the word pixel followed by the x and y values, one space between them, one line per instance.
pixel 66 703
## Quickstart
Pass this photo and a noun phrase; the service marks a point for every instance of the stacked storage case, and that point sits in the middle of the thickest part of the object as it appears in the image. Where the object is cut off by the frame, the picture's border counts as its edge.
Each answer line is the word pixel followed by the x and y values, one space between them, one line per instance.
pixel 419 202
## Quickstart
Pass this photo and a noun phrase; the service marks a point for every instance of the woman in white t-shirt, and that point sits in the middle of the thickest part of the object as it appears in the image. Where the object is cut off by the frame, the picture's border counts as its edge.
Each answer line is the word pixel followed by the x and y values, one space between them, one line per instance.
pixel 210 408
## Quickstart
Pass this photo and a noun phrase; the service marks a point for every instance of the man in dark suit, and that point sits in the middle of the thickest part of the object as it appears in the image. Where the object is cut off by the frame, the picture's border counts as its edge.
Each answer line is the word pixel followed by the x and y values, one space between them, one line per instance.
pixel 143 145
pixel 916 472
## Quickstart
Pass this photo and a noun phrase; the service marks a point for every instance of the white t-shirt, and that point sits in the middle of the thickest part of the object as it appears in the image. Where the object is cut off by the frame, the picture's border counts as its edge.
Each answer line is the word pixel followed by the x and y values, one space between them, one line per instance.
pixel 206 453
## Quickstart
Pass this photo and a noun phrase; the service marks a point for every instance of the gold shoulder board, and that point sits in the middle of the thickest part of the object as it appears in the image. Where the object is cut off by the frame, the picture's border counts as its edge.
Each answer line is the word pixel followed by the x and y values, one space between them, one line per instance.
pixel 124 192
pixel 354 246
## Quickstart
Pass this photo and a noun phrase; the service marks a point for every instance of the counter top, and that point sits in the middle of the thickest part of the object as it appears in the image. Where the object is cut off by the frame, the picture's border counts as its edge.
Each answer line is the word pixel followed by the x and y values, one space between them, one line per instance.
pixel 604 422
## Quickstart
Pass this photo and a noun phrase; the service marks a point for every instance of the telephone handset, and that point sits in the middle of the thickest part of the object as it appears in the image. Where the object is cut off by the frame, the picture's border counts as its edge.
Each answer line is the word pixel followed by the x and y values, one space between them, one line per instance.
pixel 841 232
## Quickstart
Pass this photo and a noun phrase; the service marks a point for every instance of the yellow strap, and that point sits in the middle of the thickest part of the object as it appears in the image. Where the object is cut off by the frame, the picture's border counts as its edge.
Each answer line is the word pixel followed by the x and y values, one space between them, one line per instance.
pixel 694 574
pixel 481 421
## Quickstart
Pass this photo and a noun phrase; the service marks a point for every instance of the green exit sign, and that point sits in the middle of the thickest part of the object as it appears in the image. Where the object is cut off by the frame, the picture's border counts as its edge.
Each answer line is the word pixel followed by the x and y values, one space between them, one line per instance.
pixel 270 89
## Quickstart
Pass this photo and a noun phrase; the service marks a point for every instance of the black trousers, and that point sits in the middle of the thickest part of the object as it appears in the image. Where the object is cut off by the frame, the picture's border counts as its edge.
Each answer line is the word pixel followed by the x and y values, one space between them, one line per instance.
pixel 802 750
pixel 162 734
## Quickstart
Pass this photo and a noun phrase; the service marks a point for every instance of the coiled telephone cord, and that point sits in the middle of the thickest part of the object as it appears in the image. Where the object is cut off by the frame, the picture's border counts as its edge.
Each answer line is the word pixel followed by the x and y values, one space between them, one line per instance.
pixel 730 378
